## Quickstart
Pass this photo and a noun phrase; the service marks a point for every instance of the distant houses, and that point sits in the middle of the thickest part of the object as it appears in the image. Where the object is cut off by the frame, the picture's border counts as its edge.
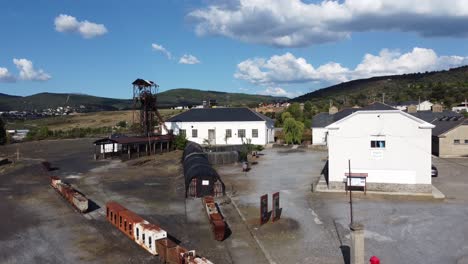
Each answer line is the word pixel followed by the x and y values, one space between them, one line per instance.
pixel 223 126
pixel 420 106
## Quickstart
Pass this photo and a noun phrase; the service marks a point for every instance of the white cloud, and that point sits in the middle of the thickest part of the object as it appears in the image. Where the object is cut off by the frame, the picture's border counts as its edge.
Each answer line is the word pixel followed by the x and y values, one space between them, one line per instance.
pixel 67 23
pixel 292 23
pixel 160 48
pixel 278 91
pixel 287 69
pixel 188 59
pixel 27 71
pixel 5 75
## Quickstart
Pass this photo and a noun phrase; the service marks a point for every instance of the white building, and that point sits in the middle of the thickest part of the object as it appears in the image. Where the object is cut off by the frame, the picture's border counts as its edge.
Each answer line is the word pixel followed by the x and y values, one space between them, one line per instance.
pixel 392 147
pixel 420 106
pixel 463 106
pixel 223 126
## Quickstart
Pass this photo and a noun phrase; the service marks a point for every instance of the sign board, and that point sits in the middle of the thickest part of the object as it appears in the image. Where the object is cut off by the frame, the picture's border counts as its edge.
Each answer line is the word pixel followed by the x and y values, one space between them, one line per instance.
pixel 276 212
pixel 377 154
pixel 205 182
pixel 358 182
pixel 264 209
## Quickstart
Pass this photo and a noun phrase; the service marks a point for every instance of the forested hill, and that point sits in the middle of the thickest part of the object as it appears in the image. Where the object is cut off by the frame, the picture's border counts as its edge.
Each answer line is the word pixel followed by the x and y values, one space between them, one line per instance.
pixel 449 87
pixel 166 99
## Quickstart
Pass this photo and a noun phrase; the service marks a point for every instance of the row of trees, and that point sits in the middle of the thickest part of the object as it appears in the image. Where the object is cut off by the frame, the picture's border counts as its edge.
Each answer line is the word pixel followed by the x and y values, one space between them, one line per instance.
pixel 296 122
pixel 45 133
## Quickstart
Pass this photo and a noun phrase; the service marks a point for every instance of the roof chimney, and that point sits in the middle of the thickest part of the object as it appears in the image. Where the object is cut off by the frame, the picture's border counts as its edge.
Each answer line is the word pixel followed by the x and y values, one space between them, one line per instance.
pixel 437 108
pixel 412 109
pixel 333 110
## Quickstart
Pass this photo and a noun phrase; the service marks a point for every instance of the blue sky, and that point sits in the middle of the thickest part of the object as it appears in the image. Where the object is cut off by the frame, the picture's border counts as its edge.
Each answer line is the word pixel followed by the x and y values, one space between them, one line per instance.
pixel 283 47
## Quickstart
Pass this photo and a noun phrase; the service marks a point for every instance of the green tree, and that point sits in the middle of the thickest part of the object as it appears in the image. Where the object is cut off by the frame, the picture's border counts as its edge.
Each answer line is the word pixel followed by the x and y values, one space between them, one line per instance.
pixel 3 134
pixel 285 115
pixel 293 131
pixel 308 107
pixel 122 124
pixel 295 110
pixel 180 141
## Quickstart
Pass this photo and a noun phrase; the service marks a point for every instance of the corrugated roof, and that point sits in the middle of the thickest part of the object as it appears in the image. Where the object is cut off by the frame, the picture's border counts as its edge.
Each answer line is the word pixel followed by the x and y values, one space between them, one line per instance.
pixel 133 140
pixel 218 115
pixel 444 124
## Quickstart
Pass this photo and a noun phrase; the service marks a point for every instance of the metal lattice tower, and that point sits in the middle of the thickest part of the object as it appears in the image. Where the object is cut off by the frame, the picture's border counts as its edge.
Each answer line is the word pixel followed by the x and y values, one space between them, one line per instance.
pixel 145 109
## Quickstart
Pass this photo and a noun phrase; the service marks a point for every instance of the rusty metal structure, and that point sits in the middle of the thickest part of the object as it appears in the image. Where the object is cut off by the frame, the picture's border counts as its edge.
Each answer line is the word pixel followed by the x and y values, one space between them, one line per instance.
pixel 145 107
pixel 150 237
pixel 218 226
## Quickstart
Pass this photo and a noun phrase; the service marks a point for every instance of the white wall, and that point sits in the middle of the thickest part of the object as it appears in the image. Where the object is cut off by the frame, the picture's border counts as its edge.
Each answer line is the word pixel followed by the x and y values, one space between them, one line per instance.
pixel 406 158
pixel 265 135
pixel 319 135
pixel 425 106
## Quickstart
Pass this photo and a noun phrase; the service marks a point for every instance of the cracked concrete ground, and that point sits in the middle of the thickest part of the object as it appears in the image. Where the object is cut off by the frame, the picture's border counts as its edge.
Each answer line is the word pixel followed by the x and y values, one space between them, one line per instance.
pixel 314 226
pixel 38 226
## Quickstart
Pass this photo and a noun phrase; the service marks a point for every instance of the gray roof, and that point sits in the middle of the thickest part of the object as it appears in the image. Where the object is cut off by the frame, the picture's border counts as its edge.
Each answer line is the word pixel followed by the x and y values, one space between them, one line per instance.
pixel 219 115
pixel 444 124
pixel 325 119
pixel 430 116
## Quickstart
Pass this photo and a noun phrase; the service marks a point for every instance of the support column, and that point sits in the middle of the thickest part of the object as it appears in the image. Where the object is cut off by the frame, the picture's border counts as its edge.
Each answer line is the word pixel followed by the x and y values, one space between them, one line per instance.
pixel 129 152
pixel 161 147
pixel 146 149
pixel 95 153
pixel 138 150
pixel 167 146
pixel 357 243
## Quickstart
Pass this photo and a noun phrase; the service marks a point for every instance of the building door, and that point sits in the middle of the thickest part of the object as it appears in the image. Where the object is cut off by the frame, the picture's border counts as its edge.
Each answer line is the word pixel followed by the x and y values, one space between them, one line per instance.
pixel 212 136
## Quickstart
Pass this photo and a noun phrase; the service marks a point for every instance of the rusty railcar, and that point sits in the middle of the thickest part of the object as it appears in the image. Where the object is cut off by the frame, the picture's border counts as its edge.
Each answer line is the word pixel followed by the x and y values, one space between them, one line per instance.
pixel 75 198
pixel 218 226
pixel 149 236
pixel 136 228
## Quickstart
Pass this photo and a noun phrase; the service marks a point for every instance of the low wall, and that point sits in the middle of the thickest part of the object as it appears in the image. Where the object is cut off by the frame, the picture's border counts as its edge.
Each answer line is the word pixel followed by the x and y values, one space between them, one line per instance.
pixel 387 187
pixel 224 157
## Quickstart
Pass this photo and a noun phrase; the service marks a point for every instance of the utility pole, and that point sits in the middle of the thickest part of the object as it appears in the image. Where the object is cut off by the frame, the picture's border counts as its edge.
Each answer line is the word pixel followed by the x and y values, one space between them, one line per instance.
pixel 383 98
pixel 350 193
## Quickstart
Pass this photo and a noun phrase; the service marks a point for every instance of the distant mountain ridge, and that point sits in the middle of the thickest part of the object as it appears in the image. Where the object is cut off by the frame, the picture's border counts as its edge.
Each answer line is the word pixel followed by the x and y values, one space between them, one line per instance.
pixel 449 87
pixel 166 99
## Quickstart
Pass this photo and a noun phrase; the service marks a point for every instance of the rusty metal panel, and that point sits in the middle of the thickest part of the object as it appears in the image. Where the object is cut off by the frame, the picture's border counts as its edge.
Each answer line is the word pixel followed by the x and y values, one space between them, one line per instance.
pixel 276 210
pixel 162 246
pixel 219 229
pixel 175 255
pixel 264 214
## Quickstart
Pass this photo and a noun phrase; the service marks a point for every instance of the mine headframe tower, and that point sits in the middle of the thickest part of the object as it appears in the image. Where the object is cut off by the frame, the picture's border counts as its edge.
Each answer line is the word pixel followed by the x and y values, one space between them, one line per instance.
pixel 145 107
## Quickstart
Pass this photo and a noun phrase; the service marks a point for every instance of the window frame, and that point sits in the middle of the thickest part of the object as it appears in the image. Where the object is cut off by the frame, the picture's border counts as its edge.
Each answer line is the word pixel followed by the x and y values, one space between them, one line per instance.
pixel 194 133
pixel 456 142
pixel 230 133
pixel 256 134
pixel 183 131
pixel 239 133
pixel 375 144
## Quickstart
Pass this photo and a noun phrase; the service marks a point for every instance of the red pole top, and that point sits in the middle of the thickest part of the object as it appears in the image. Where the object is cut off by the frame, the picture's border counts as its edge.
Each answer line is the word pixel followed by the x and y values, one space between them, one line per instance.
pixel 374 260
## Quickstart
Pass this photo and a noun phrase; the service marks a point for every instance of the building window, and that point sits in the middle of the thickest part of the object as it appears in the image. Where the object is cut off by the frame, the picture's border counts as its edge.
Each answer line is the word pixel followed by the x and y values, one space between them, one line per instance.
pixel 466 141
pixel 182 132
pixel 255 133
pixel 194 133
pixel 241 133
pixel 377 143
pixel 456 141
pixel 228 133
